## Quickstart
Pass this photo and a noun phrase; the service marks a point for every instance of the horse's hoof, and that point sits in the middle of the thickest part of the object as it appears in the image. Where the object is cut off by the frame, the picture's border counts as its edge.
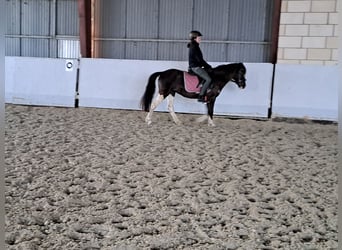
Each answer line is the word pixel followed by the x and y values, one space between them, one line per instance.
pixel 211 124
pixel 148 121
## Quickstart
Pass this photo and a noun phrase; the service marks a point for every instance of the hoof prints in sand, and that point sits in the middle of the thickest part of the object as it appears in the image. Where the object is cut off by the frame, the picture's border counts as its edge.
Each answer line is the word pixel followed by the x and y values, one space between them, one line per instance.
pixel 102 179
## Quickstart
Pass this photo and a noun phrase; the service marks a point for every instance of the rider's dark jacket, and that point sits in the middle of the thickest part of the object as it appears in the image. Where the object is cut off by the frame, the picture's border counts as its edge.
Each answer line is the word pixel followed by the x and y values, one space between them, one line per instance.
pixel 196 56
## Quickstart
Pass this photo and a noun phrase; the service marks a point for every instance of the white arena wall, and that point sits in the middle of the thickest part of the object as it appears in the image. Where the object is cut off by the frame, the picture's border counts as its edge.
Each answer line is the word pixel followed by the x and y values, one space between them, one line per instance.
pixel 40 81
pixel 306 91
pixel 121 83
pixel 300 91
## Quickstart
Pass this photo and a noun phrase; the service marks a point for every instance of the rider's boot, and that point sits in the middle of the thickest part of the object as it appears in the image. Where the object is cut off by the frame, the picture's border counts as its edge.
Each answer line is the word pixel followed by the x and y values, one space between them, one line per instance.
pixel 201 99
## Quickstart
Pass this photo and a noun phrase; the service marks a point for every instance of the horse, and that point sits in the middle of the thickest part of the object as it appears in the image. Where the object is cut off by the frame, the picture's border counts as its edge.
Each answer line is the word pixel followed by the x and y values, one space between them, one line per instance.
pixel 171 81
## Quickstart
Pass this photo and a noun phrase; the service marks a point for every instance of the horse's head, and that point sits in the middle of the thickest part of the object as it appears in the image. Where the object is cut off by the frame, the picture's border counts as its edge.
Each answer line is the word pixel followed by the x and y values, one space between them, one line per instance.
pixel 239 75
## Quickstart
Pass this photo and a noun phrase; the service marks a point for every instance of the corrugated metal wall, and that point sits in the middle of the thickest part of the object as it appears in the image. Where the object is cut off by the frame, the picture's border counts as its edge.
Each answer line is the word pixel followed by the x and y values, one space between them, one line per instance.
pixel 42 28
pixel 233 30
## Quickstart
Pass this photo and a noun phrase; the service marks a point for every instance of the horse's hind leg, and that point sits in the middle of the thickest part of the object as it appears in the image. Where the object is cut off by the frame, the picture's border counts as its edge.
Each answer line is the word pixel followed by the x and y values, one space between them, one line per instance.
pixel 154 105
pixel 170 107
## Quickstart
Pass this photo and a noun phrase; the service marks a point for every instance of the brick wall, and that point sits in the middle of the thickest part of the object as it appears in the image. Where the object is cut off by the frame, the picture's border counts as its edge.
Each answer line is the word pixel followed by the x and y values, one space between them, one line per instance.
pixel 308 32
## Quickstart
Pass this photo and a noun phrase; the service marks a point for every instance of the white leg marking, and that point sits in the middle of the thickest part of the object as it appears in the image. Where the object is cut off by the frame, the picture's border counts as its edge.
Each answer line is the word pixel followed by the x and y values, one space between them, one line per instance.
pixel 170 107
pixel 211 122
pixel 154 105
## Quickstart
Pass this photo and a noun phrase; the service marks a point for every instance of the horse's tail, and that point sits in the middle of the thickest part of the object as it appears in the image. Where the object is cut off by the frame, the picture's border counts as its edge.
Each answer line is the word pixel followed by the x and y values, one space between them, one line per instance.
pixel 146 99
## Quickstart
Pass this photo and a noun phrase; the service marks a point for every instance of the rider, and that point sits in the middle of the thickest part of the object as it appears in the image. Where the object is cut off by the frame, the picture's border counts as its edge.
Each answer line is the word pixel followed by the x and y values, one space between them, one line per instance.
pixel 196 62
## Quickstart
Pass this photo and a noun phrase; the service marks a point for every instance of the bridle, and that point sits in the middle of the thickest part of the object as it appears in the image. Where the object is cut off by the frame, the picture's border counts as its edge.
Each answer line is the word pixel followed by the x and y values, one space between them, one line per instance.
pixel 238 78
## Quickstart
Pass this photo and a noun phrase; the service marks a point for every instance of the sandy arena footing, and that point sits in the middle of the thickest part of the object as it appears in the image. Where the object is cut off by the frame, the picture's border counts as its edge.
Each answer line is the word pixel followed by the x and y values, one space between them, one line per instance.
pixel 86 178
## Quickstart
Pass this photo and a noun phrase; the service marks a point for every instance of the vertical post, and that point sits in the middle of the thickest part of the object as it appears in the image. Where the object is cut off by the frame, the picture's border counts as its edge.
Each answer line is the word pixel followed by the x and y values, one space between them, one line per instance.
pixel 274 47
pixel 53 48
pixel 84 13
pixel 275 31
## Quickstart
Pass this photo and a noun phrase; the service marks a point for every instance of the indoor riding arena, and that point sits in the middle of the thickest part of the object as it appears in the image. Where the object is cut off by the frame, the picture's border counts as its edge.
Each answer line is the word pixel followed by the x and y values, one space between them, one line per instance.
pixel 85 170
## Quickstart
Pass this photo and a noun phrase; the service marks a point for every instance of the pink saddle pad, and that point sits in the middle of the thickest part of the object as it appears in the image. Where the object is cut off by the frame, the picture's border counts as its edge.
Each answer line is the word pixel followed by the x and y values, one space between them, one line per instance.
pixel 191 82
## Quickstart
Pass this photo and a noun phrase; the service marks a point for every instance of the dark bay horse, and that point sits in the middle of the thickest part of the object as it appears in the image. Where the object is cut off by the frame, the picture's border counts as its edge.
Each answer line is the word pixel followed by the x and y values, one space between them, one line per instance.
pixel 171 81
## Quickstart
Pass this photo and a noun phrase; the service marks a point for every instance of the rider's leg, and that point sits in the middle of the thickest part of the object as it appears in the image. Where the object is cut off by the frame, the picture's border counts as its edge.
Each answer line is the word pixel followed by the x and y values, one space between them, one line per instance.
pixel 207 80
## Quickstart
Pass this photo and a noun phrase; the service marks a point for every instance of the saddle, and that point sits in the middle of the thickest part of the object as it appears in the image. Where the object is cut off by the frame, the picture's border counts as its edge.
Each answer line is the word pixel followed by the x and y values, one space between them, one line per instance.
pixel 192 82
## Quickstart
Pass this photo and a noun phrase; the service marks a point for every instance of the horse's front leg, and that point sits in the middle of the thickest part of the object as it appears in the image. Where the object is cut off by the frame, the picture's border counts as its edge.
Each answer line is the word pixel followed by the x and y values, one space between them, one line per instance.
pixel 210 106
pixel 154 105
pixel 170 107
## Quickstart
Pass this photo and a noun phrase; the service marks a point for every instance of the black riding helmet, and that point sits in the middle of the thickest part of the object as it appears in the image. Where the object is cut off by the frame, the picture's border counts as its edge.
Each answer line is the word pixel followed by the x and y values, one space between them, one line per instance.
pixel 194 34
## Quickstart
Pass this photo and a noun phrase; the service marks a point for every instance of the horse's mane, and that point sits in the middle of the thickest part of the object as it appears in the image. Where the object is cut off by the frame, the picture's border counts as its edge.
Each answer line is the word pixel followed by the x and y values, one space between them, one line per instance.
pixel 225 67
pixel 221 71
pixel 221 67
